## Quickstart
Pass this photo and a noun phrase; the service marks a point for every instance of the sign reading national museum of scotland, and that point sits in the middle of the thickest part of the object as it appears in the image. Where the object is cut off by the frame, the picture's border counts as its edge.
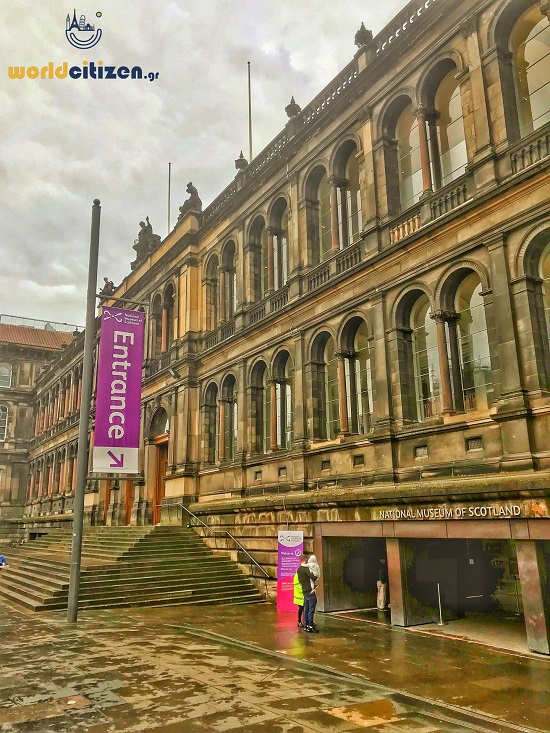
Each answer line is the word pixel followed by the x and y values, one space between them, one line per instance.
pixel 118 397
pixel 523 509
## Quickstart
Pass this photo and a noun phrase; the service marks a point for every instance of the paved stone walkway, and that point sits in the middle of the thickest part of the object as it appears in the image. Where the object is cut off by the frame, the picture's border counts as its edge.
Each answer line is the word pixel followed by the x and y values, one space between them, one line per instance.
pixel 170 670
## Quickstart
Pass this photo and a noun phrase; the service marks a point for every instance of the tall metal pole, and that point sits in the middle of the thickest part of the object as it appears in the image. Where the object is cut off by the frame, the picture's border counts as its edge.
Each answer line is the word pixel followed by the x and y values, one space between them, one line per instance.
pixel 249 116
pixel 169 183
pixel 82 455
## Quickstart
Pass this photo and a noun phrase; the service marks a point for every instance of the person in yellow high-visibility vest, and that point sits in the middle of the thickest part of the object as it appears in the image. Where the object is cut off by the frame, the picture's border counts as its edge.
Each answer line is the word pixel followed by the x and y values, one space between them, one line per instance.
pixel 298 598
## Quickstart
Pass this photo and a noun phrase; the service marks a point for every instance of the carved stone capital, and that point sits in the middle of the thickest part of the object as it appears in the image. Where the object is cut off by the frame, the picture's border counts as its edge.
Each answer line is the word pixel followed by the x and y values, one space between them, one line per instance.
pixel 469 25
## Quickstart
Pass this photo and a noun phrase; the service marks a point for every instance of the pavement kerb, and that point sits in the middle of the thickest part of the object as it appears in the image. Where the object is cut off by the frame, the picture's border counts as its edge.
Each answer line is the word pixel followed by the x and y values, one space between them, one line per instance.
pixel 439 711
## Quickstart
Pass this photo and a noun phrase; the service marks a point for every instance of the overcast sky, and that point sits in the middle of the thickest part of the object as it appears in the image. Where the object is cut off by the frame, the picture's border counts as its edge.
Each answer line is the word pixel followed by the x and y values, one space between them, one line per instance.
pixel 67 141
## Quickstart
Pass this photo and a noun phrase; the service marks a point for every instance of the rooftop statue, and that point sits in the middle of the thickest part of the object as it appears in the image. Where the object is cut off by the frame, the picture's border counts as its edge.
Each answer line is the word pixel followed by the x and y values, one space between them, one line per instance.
pixel 108 288
pixel 145 243
pixel 193 203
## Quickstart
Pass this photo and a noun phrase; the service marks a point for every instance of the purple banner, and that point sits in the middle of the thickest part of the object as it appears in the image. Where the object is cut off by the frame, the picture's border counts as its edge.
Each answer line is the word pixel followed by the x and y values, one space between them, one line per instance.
pixel 118 395
pixel 291 546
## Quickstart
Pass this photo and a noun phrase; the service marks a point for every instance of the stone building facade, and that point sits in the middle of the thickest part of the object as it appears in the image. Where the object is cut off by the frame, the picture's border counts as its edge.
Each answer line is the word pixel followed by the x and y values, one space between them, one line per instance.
pixel 353 338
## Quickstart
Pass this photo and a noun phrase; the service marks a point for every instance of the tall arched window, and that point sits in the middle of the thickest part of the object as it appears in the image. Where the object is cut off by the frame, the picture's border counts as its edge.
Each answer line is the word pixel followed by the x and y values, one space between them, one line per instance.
pixel 3 422
pixel 229 280
pixel 156 326
pixel 230 418
pixel 530 47
pixel 358 376
pixel 446 127
pixel 318 216
pixel 348 195
pixel 258 259
pixel 324 369
pixel 212 294
pixel 211 424
pixel 284 410
pixel 5 375
pixel 545 277
pixel 260 396
pixel 279 232
pixel 168 318
pixel 475 360
pixel 408 158
pixel 425 360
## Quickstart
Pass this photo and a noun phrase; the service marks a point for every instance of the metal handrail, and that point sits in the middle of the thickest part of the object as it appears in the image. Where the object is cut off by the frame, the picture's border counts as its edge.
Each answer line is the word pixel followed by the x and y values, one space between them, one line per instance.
pixel 227 534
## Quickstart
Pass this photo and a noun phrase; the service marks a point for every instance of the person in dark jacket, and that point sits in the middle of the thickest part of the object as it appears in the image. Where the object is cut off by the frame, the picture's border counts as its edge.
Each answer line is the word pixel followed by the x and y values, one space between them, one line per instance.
pixel 307 580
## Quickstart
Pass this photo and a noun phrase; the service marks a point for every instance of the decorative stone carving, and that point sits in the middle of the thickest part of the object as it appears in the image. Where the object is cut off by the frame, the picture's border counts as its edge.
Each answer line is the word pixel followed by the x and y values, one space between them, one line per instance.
pixel 469 25
pixel 108 288
pixel 545 8
pixel 192 204
pixel 145 243
pixel 292 109
pixel 363 36
pixel 241 162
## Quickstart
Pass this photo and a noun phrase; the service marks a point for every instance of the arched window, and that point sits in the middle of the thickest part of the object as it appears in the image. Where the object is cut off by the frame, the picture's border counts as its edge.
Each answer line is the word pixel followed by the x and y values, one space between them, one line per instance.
pixel 229 418
pixel 425 360
pixel 475 360
pixel 212 294
pixel 545 277
pixel 446 128
pixel 168 318
pixel 284 410
pixel 530 47
pixel 324 369
pixel 156 326
pixel 348 195
pixel 408 158
pixel 318 216
pixel 229 280
pixel 258 259
pixel 358 376
pixel 5 375
pixel 3 422
pixel 260 394
pixel 211 424
pixel 279 232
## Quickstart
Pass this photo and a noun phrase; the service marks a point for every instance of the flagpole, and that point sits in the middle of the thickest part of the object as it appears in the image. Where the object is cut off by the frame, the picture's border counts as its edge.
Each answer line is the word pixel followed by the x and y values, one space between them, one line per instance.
pixel 249 116
pixel 169 182
pixel 82 455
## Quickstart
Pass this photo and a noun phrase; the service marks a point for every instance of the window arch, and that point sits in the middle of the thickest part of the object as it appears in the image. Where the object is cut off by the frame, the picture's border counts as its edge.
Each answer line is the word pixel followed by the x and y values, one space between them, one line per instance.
pixel 260 399
pixel 160 424
pixel 530 46
pixel 156 325
pixel 228 419
pixel 6 371
pixel 211 424
pixel 348 194
pixel 318 216
pixel 408 157
pixel 443 114
pixel 283 377
pixel 228 281
pixel 425 360
pixel 324 387
pixel 167 325
pixel 279 251
pixel 356 354
pixel 3 422
pixel 212 294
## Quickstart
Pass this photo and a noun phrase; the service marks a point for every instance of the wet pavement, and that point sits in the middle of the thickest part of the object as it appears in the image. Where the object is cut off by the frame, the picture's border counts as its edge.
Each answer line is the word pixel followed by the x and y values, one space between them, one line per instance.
pixel 248 669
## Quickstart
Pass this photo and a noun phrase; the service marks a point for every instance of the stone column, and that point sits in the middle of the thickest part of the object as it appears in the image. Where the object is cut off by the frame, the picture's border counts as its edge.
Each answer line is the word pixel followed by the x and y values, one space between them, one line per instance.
pixel 444 373
pixel 421 116
pixel 456 376
pixel 535 593
pixel 273 416
pixel 221 293
pixel 334 230
pixel 396 581
pixel 342 394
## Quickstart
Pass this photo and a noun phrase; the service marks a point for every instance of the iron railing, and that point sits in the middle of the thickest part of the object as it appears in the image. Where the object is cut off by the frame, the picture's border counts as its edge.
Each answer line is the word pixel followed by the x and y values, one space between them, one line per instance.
pixel 196 521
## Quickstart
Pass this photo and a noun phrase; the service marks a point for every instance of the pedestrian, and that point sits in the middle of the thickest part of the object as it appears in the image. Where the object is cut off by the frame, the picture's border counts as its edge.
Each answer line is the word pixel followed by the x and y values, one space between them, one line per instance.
pixel 313 565
pixel 307 582
pixel 382 585
pixel 298 599
pixel 3 561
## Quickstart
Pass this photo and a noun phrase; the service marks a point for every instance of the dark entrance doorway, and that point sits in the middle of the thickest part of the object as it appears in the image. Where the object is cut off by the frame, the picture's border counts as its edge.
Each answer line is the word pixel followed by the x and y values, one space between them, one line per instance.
pixel 350 570
pixel 160 435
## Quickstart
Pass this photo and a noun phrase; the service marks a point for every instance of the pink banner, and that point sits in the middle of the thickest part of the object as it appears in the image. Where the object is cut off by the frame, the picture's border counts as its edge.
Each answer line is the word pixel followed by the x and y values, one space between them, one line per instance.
pixel 118 396
pixel 290 547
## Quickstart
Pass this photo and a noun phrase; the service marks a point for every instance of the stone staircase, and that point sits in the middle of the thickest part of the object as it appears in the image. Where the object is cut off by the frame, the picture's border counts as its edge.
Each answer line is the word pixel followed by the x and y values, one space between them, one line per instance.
pixel 124 566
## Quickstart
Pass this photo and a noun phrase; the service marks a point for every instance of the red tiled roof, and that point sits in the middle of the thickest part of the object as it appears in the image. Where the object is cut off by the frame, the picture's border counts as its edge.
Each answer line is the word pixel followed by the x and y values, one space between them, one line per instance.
pixel 27 336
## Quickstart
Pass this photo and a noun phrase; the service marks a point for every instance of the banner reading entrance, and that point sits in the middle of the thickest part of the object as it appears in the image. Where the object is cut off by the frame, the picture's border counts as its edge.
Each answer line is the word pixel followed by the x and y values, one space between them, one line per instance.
pixel 291 546
pixel 118 396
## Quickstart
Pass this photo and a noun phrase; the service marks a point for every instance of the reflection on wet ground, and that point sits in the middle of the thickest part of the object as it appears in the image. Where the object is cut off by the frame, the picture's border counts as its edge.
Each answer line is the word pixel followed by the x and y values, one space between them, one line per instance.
pixel 193 669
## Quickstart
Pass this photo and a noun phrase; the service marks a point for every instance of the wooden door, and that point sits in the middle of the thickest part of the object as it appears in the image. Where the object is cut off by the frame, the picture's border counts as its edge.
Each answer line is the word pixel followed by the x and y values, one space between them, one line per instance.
pixel 128 501
pixel 160 478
